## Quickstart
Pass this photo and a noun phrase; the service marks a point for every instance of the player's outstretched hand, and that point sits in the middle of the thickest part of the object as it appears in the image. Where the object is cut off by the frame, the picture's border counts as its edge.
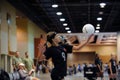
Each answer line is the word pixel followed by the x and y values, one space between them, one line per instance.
pixel 91 38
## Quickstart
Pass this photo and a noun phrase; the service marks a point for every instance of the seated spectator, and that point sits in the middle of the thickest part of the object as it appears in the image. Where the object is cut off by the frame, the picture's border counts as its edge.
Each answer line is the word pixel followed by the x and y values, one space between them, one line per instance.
pixel 79 68
pixel 118 67
pixel 24 75
pixel 74 69
pixel 106 67
pixel 29 64
pixel 70 70
pixel 16 60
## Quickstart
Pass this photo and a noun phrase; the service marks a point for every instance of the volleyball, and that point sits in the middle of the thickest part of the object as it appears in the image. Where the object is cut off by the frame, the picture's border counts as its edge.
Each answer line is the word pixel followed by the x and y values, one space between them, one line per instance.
pixel 88 28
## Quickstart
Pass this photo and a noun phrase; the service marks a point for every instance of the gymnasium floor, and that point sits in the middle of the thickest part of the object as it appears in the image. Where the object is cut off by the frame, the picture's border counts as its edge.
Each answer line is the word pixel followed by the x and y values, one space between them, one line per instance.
pixel 78 76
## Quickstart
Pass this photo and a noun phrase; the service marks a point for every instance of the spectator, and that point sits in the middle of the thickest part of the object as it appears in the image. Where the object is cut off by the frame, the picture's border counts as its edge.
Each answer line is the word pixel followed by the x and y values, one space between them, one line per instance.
pixel 16 61
pixel 106 68
pixel 118 66
pixel 74 69
pixel 24 74
pixel 43 68
pixel 82 66
pixel 79 68
pixel 70 70
pixel 29 64
pixel 118 70
pixel 40 68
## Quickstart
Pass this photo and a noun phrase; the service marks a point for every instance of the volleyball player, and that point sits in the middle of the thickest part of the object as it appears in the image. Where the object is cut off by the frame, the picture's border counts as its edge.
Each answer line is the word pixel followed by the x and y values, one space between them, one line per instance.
pixel 58 53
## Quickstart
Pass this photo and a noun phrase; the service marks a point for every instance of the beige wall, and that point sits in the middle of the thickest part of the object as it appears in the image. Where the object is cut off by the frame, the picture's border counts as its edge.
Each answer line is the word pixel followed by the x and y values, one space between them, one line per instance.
pixel 81 57
pixel 118 46
pixel 103 51
pixel 33 32
pixel 20 34
pixel 26 32
pixel 8 36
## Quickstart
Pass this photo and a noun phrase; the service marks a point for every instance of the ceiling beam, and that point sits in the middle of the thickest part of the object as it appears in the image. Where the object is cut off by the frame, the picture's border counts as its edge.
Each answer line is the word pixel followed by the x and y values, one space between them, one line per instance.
pixel 111 18
pixel 69 16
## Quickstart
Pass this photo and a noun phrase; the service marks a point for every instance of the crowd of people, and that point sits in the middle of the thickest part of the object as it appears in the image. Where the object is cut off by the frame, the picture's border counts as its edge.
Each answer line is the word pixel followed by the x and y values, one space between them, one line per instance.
pixel 111 69
pixel 24 66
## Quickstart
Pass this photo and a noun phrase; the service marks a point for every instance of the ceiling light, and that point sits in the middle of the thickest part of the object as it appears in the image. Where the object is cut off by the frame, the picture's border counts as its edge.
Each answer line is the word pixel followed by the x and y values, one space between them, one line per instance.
pixel 62 19
pixel 54 5
pixel 59 13
pixel 97 27
pixel 97 31
pixel 68 31
pixel 65 24
pixel 99 18
pixel 67 28
pixel 102 5
pixel 101 12
pixel 8 21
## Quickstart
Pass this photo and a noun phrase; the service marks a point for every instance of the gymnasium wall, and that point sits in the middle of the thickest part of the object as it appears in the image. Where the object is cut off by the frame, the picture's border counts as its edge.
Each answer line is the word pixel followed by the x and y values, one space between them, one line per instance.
pixel 86 54
pixel 18 34
pixel 8 38
pixel 26 32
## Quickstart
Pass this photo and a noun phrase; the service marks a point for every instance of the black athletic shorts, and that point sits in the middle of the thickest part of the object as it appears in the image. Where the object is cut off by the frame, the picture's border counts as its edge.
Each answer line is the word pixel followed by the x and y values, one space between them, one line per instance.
pixel 113 71
pixel 56 76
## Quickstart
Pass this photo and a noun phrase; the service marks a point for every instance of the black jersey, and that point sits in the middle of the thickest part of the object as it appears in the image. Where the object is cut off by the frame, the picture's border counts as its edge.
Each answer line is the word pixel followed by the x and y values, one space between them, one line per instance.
pixel 98 62
pixel 68 49
pixel 59 58
pixel 113 66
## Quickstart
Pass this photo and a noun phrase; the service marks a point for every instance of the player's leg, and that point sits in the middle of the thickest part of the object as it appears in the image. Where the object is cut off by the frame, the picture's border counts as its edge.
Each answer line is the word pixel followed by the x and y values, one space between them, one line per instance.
pixel 55 77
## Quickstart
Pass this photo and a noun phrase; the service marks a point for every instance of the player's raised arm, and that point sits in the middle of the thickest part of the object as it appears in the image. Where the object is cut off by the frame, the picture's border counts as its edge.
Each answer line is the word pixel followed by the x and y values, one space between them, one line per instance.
pixel 90 39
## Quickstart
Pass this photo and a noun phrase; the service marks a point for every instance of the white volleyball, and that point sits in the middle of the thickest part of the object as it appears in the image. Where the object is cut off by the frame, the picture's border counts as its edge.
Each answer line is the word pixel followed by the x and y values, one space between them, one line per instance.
pixel 88 28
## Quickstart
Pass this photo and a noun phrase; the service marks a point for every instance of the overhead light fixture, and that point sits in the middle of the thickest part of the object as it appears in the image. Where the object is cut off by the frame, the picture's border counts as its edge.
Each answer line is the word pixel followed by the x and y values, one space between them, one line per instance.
pixel 99 18
pixel 65 24
pixel 102 5
pixel 67 28
pixel 62 19
pixel 68 31
pixel 54 5
pixel 97 31
pixel 9 21
pixel 59 13
pixel 97 27
pixel 100 12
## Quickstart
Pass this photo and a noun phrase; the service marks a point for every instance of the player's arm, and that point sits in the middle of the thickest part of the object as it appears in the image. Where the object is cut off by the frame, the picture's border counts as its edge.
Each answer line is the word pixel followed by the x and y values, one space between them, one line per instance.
pixel 110 68
pixel 14 63
pixel 90 39
pixel 33 66
pixel 31 72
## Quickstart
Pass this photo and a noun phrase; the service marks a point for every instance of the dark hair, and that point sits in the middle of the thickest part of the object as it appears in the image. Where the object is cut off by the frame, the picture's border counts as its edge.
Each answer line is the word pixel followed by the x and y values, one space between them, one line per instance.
pixel 26 52
pixel 4 75
pixel 51 36
pixel 97 56
pixel 119 62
